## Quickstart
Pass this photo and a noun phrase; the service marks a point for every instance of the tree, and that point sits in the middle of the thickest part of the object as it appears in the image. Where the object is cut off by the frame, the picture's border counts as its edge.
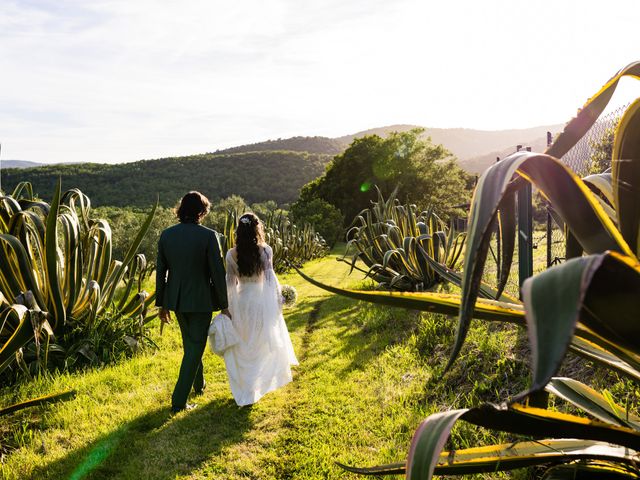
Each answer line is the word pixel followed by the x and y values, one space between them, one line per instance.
pixel 263 209
pixel 426 174
pixel 602 150
pixel 325 218
pixel 218 214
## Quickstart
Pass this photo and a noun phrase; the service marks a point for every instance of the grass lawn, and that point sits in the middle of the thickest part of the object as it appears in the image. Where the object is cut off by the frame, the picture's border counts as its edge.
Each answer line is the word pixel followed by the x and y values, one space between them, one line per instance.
pixel 368 375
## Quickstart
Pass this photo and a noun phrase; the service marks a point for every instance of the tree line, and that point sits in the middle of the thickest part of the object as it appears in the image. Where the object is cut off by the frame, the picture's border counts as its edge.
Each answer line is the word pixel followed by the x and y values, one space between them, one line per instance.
pixel 255 176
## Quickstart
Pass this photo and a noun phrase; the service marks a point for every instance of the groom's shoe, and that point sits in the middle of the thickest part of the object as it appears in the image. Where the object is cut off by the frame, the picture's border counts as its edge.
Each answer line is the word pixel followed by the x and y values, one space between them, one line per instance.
pixel 188 406
pixel 201 390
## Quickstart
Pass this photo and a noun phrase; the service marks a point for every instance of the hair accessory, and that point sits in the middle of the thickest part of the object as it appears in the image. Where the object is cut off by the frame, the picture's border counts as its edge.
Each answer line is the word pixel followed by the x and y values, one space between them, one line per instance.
pixel 245 220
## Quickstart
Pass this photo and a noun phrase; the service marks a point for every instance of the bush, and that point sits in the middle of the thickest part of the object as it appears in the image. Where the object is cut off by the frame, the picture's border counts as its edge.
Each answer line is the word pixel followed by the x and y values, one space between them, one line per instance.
pixel 326 219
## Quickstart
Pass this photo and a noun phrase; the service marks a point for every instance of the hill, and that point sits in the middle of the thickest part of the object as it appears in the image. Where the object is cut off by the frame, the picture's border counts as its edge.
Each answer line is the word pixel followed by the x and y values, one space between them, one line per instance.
pixel 256 176
pixel 270 170
pixel 466 143
pixel 324 145
pixel 480 163
pixel 19 164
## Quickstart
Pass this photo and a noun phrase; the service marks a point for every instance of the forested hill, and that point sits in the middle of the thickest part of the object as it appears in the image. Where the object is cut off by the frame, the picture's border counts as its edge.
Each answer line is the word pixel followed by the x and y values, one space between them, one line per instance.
pixel 255 176
pixel 325 145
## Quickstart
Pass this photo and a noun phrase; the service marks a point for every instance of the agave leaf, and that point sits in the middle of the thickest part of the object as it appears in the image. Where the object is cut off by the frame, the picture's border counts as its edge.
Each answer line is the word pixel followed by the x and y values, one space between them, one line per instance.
pixel 599 291
pixel 626 175
pixel 485 291
pixel 578 126
pixel 54 397
pixel 430 302
pixel 429 439
pixel 503 457
pixel 23 187
pixel 428 442
pixel 596 353
pixel 553 301
pixel 575 203
pixel 18 316
pixel 56 300
pixel 507 229
pixel 571 197
pixel 539 422
pixel 603 184
pixel 611 306
pixel 594 470
pixel 592 402
pixel 129 256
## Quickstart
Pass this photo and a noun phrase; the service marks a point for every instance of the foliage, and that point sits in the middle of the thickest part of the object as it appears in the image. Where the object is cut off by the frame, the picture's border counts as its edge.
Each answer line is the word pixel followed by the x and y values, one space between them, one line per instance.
pixel 292 245
pixel 124 222
pixel 426 174
pixel 323 145
pixel 326 219
pixel 404 249
pixel 601 151
pixel 60 285
pixel 588 305
pixel 255 176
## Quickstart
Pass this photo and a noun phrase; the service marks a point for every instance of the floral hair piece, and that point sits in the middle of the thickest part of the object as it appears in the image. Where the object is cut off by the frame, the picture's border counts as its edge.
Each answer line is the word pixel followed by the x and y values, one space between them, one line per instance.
pixel 245 220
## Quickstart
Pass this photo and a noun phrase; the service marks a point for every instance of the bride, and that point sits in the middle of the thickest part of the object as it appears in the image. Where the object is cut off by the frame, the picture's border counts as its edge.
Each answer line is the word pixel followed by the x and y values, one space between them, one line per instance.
pixel 261 361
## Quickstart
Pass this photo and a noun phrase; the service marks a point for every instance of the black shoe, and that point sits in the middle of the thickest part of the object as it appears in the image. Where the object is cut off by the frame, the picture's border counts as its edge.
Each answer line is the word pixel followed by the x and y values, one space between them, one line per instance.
pixel 201 391
pixel 188 406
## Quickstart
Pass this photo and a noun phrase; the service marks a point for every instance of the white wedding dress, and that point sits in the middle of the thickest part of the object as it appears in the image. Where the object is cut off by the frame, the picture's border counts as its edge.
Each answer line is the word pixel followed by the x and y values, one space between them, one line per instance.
pixel 261 361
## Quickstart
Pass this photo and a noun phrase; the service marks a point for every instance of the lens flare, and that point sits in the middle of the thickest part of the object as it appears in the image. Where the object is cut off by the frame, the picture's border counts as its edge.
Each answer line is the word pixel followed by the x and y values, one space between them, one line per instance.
pixel 365 187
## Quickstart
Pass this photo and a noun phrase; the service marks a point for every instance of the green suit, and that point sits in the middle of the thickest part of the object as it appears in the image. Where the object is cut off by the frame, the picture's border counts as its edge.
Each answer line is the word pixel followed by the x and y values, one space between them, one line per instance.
pixel 190 280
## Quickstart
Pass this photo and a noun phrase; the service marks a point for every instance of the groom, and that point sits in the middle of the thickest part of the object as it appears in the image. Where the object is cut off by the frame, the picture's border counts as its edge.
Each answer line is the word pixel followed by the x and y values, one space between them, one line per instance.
pixel 190 280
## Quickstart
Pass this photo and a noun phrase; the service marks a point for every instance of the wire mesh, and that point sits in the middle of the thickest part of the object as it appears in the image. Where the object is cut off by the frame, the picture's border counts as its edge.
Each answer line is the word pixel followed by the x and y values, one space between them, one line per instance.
pixel 592 154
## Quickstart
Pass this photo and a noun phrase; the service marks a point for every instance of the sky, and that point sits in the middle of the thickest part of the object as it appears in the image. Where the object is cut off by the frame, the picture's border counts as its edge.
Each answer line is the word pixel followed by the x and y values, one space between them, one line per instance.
pixel 125 80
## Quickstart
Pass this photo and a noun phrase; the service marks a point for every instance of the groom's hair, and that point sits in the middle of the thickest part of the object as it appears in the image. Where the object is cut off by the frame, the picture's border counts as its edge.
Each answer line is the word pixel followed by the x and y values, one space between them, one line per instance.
pixel 193 207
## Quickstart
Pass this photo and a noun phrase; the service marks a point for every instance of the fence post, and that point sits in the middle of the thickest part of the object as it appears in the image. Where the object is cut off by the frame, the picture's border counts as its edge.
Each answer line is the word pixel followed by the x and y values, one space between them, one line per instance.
pixel 549 220
pixel 525 232
pixel 525 263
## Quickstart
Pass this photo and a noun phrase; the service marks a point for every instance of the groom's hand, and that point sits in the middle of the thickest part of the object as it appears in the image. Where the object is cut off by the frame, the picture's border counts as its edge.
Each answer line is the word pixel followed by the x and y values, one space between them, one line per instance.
pixel 165 315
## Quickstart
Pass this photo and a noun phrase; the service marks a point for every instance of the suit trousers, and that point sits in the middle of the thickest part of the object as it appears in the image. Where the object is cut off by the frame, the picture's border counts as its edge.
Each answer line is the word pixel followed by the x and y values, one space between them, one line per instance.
pixel 194 328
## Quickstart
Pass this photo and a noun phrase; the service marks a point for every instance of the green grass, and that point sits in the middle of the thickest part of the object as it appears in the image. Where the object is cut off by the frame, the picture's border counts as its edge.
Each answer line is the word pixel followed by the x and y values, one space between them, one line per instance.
pixel 368 375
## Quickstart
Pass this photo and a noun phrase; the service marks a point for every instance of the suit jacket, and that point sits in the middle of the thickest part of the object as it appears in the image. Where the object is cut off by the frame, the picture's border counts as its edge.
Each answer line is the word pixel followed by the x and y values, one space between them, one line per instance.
pixel 190 274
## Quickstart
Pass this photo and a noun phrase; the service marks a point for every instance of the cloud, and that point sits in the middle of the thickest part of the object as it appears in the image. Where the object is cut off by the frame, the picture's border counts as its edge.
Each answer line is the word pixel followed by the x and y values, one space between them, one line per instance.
pixel 121 80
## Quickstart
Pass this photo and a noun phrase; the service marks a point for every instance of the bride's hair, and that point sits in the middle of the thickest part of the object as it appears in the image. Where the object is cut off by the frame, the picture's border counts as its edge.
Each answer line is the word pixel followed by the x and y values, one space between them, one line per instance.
pixel 249 236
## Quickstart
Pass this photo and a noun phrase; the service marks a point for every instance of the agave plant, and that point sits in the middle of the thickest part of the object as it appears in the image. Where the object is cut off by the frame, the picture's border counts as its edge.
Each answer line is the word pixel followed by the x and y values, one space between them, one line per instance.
pixel 58 280
pixel 403 249
pixel 292 245
pixel 589 305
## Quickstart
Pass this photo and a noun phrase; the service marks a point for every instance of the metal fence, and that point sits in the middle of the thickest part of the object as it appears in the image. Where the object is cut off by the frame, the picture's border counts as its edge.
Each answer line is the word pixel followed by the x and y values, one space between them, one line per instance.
pixel 592 154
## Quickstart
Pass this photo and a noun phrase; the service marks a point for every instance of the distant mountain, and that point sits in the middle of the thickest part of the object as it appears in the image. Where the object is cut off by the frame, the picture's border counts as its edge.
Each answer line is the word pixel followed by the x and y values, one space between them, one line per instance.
pixel 19 164
pixel 466 143
pixel 480 163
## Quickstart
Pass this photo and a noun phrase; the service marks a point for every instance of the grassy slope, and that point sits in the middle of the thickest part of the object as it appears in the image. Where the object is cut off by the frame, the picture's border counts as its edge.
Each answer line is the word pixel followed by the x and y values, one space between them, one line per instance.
pixel 367 377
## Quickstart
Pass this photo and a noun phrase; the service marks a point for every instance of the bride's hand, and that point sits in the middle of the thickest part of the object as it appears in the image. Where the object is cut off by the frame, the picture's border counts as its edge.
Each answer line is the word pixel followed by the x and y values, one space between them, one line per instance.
pixel 227 313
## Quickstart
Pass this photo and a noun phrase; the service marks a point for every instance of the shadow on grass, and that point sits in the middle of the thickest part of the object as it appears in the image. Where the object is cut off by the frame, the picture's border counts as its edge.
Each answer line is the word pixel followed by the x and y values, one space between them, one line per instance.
pixel 364 330
pixel 156 445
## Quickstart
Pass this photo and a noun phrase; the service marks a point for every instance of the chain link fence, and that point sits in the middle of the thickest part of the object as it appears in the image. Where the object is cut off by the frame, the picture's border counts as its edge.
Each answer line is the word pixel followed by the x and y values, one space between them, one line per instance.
pixel 592 154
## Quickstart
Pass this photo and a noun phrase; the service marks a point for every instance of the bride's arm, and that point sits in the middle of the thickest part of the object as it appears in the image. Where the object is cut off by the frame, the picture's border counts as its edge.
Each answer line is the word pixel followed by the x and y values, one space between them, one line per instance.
pixel 270 278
